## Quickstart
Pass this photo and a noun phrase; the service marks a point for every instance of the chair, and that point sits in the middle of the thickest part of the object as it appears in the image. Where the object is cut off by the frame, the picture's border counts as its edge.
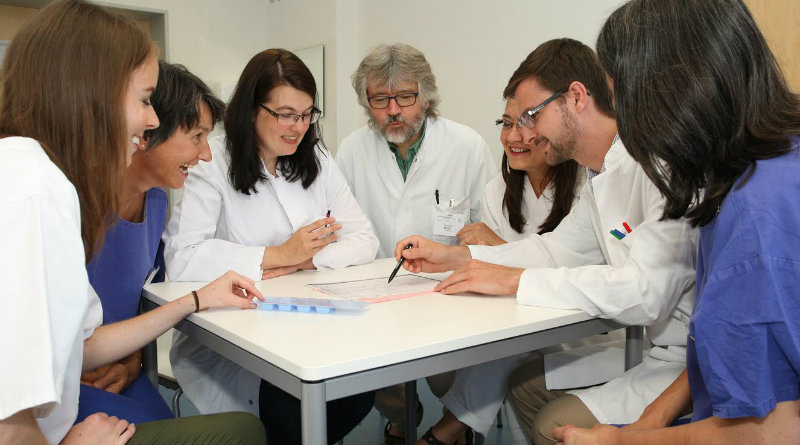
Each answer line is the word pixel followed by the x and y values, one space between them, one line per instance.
pixel 165 376
pixel 158 351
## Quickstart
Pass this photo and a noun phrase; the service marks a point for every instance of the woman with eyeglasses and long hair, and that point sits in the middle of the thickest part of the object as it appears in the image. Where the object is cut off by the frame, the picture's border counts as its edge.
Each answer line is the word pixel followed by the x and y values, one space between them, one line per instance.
pixel 271 202
pixel 528 196
pixel 76 87
pixel 704 108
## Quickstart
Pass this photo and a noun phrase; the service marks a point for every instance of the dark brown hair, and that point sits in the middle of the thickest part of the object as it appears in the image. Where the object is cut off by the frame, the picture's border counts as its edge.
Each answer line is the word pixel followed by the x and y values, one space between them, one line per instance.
pixel 554 64
pixel 557 63
pixel 177 100
pixel 64 81
pixel 265 71
pixel 699 97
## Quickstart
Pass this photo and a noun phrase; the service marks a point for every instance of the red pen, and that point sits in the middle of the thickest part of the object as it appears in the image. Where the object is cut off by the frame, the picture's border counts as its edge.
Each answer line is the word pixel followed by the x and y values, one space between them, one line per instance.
pixel 627 227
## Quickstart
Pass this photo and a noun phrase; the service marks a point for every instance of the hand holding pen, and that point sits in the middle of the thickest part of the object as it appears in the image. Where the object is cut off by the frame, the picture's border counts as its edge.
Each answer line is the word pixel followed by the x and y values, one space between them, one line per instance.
pixel 302 245
pixel 399 263
pixel 429 256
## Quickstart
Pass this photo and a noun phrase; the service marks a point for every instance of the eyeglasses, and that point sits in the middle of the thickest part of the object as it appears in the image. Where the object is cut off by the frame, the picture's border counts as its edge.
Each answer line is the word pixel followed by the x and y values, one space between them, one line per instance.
pixel 291 118
pixel 506 124
pixel 402 100
pixel 527 118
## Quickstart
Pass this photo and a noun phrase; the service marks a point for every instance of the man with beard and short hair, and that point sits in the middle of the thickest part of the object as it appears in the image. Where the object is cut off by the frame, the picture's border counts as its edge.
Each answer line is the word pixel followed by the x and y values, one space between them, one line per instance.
pixel 408 157
pixel 612 257
pixel 408 167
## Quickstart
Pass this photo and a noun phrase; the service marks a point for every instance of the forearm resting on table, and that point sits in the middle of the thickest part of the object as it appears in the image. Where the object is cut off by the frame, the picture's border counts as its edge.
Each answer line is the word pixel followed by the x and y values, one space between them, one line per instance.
pixel 114 341
pixel 273 257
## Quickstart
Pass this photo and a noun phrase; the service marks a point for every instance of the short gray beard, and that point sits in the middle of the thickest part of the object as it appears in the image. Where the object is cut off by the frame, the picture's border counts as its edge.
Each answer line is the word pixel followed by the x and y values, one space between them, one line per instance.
pixel 412 128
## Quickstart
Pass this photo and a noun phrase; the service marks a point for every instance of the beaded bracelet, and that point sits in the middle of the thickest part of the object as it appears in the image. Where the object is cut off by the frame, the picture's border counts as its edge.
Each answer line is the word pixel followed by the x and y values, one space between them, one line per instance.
pixel 196 302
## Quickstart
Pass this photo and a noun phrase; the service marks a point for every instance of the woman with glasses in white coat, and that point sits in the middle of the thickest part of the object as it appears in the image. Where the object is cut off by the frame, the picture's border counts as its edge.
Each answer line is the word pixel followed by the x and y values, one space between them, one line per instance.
pixel 272 201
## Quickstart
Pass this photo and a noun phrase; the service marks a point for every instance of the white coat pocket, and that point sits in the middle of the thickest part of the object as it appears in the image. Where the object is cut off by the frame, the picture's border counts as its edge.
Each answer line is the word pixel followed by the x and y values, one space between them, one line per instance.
pixel 449 216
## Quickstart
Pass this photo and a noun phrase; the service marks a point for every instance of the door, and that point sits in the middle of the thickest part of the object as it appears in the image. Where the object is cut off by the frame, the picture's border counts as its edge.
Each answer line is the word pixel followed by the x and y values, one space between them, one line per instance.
pixel 779 21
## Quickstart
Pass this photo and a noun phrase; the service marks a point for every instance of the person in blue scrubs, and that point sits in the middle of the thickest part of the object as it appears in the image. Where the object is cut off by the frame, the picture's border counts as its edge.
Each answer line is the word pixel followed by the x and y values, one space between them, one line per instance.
pixel 702 105
pixel 187 110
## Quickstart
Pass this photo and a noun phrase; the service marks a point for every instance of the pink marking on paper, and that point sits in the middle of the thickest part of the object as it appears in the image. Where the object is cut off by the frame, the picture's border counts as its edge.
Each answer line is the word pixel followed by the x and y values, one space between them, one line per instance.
pixel 385 298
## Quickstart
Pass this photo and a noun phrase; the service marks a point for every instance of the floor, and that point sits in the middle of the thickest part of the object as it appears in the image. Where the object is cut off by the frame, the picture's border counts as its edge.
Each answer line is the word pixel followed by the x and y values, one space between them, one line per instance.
pixel 370 430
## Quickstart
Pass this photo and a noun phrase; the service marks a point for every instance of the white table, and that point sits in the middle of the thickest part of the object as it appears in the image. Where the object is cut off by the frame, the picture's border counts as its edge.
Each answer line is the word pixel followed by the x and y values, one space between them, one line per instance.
pixel 322 357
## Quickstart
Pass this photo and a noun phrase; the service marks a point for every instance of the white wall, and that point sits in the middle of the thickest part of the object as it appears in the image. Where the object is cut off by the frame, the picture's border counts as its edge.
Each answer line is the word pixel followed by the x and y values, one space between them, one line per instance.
pixel 298 24
pixel 213 38
pixel 472 45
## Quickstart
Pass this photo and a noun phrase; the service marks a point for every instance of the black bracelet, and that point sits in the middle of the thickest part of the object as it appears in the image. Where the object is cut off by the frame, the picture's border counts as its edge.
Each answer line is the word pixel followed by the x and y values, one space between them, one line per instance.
pixel 196 302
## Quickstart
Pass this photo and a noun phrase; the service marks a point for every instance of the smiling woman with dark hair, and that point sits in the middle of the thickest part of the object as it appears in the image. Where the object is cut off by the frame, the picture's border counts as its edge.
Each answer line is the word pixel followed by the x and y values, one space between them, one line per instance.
pixel 704 108
pixel 528 196
pixel 270 203
pixel 187 112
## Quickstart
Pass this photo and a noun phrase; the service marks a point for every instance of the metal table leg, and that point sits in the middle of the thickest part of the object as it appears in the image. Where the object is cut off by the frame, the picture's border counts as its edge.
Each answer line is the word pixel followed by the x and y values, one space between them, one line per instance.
pixel 313 414
pixel 634 346
pixel 149 351
pixel 411 411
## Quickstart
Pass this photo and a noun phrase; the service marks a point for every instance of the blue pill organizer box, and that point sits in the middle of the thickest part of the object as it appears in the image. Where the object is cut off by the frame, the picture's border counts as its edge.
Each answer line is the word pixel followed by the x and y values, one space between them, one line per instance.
pixel 310 305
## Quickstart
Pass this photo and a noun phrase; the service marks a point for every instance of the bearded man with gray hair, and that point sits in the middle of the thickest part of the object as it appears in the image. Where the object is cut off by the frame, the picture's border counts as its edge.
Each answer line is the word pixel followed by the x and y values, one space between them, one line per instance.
pixel 411 171
pixel 410 168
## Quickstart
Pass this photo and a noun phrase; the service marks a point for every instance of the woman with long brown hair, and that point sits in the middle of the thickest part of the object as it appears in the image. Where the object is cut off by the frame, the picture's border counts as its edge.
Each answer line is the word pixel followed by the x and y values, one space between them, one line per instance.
pixel 528 196
pixel 76 86
pixel 272 201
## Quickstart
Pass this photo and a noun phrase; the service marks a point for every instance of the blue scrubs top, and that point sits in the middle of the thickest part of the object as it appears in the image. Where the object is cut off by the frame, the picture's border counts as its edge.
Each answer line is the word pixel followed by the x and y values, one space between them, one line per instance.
pixel 743 353
pixel 117 273
pixel 129 253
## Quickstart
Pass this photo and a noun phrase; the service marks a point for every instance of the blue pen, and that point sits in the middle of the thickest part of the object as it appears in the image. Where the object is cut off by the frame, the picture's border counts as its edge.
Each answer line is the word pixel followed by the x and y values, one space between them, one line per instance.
pixel 617 234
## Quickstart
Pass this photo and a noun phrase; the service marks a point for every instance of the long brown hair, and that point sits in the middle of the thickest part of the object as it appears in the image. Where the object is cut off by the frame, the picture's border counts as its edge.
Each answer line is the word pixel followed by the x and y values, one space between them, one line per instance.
pixel 564 177
pixel 64 81
pixel 265 71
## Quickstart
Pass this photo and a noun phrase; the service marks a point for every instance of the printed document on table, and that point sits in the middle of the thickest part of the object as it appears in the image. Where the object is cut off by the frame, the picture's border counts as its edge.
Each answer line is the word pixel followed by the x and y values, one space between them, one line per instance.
pixel 377 290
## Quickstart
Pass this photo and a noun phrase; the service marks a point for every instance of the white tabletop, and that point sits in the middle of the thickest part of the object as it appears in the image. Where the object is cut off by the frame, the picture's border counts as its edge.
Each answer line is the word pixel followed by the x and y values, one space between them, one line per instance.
pixel 315 347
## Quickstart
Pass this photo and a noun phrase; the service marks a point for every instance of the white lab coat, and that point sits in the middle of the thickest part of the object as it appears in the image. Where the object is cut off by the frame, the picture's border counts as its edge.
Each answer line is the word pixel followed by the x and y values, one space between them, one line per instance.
pixel 536 209
pixel 647 278
pixel 453 159
pixel 478 391
pixel 214 228
pixel 49 309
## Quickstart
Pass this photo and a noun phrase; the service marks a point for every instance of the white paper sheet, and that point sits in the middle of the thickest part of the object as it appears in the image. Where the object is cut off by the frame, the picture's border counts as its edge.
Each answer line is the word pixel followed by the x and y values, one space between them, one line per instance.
pixel 377 289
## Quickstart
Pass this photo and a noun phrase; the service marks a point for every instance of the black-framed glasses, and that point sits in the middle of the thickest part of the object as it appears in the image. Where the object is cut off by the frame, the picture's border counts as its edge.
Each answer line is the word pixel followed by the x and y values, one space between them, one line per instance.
pixel 527 118
pixel 291 118
pixel 402 100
